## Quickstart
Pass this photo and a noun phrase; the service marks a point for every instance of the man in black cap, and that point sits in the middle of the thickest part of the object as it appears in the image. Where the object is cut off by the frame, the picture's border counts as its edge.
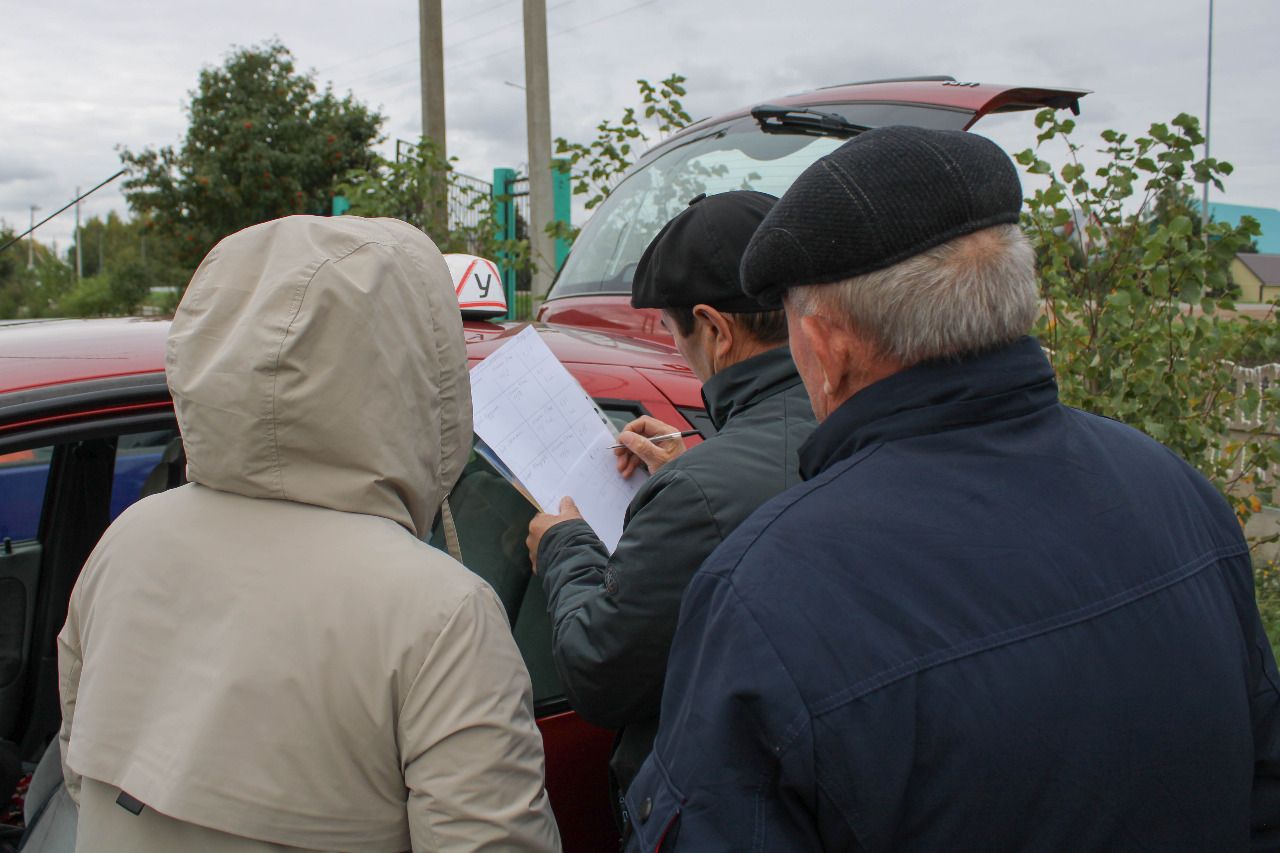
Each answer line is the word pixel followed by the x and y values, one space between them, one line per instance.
pixel 613 616
pixel 986 621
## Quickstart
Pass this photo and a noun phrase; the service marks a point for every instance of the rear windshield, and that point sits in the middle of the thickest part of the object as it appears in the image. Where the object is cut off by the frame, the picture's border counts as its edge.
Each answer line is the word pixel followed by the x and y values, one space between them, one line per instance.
pixel 735 155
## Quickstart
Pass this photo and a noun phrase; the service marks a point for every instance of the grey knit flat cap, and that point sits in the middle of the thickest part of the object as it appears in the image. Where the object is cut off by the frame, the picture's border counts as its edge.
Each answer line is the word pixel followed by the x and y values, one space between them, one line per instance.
pixel 880 198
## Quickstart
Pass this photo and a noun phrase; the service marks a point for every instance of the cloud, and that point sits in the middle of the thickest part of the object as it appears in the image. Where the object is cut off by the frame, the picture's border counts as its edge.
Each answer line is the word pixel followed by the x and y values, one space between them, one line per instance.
pixel 135 63
pixel 21 171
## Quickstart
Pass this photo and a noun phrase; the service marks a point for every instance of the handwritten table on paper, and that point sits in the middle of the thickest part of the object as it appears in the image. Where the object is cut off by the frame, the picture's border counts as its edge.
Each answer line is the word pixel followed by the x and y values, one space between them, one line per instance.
pixel 544 427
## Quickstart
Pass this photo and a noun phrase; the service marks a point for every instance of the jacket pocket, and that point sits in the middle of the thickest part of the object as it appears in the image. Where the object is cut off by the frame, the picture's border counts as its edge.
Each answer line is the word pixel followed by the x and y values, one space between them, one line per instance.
pixel 653 812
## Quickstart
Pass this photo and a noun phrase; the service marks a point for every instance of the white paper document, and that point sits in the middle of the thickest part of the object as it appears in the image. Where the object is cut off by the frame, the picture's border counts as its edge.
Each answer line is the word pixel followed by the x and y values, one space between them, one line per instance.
pixel 535 416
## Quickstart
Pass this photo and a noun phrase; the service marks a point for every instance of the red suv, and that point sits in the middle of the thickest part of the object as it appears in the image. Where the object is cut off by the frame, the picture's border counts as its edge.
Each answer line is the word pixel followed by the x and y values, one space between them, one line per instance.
pixel 764 148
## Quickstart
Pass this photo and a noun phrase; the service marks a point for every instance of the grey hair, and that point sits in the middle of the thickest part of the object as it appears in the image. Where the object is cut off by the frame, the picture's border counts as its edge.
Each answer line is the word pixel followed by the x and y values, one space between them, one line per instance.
pixel 973 293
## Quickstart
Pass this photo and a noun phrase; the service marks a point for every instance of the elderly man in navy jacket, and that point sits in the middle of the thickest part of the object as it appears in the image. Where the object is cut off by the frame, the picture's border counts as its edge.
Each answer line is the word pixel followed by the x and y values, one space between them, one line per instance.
pixel 986 621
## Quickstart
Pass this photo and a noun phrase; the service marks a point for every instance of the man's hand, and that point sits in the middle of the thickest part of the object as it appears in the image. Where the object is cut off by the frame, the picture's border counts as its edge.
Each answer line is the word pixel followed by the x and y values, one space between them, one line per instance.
pixel 544 521
pixel 638 450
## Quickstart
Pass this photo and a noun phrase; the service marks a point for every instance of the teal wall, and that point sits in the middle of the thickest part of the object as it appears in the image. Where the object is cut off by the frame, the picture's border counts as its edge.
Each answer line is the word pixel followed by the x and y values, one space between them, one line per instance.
pixel 1268 217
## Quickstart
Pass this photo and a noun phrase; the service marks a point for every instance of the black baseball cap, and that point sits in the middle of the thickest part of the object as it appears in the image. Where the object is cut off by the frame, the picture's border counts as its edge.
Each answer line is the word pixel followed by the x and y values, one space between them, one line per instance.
pixel 696 257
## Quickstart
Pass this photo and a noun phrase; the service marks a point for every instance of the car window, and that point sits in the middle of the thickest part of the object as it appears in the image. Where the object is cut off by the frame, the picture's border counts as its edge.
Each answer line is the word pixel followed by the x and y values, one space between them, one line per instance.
pixel 492 521
pixel 700 420
pixel 84 479
pixel 140 467
pixel 25 473
pixel 735 155
pixel 23 476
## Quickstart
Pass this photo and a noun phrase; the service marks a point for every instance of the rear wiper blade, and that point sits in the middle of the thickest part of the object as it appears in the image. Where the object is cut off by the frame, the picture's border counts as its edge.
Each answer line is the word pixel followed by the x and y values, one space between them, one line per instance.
pixel 775 119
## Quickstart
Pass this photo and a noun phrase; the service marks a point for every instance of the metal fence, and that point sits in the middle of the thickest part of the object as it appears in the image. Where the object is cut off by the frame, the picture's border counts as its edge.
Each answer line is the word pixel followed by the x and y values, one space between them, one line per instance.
pixel 520 190
pixel 470 202
pixel 1261 419
pixel 1264 414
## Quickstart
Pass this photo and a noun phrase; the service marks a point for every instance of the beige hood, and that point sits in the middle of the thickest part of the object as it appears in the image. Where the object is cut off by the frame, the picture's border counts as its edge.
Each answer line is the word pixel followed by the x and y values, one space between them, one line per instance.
pixel 312 385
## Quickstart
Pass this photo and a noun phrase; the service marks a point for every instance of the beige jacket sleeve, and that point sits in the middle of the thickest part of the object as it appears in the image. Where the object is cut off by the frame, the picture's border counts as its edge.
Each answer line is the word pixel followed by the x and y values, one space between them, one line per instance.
pixel 470 749
pixel 69 663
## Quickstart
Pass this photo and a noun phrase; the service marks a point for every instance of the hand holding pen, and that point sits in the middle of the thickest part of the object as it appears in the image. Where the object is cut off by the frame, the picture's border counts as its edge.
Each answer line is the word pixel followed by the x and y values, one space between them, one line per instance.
pixel 649 442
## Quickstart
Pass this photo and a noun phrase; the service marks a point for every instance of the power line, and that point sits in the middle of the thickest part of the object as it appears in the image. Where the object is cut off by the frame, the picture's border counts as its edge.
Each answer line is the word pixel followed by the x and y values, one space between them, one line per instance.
pixel 605 17
pixel 468 62
pixel 393 45
pixel 451 45
pixel 377 52
pixel 584 24
pixel 64 207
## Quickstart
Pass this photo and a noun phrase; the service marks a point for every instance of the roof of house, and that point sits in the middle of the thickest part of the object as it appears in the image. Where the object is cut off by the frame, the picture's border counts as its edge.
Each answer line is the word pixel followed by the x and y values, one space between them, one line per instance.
pixel 1265 267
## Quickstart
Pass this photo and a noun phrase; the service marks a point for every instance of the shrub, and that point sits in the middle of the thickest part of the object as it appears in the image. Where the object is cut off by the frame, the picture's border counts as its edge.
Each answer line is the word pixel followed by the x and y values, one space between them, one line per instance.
pixel 1139 319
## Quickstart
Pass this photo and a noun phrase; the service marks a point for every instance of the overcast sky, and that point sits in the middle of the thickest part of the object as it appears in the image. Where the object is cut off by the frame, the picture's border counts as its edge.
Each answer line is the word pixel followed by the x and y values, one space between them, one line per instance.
pixel 81 78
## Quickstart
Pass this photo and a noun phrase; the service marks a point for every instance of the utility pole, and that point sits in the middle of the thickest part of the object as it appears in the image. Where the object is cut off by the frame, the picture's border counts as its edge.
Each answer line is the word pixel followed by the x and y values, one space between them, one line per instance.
pixel 79 267
pixel 538 121
pixel 431 54
pixel 1208 101
pixel 31 241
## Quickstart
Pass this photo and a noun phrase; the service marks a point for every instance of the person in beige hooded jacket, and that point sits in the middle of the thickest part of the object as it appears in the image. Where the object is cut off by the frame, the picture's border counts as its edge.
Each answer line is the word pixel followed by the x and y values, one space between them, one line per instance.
pixel 269 658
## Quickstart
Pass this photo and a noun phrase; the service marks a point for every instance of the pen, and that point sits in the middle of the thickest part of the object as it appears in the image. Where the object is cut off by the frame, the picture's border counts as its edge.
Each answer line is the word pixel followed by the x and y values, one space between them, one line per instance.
pixel 667 437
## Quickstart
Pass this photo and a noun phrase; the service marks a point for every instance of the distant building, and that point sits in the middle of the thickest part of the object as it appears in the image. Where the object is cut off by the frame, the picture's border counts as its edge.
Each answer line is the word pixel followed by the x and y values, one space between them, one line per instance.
pixel 1268 217
pixel 1257 276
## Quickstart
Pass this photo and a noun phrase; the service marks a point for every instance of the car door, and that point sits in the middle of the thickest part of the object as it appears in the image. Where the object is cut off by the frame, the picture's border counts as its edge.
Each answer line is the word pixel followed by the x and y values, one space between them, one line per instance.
pixel 72 457
pixel 65 472
pixel 492 521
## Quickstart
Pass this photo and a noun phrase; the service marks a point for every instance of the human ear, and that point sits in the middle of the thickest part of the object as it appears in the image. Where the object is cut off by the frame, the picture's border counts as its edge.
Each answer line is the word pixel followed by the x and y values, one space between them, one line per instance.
pixel 719 333
pixel 826 341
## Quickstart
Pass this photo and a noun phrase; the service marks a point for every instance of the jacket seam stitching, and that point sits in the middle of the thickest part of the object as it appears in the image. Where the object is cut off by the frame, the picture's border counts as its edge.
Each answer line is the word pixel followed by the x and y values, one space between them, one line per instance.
pixel 802 719
pixel 706 502
pixel 827 784
pixel 799 723
pixel 1024 632
pixel 447 388
pixel 272 422
pixel 275 365
pixel 848 464
pixel 426 658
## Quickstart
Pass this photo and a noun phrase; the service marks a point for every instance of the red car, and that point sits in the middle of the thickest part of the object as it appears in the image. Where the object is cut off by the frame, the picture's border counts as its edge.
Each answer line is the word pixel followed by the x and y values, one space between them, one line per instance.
pixel 764 148
pixel 87 427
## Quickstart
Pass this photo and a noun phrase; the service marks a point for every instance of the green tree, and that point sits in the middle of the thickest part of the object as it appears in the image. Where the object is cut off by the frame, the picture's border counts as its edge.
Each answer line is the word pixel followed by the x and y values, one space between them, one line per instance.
pixel 122 261
pixel 262 142
pixel 423 188
pixel 1135 322
pixel 1181 199
pixel 15 281
pixel 597 166
pixel 414 187
pixel 104 241
pixel 34 291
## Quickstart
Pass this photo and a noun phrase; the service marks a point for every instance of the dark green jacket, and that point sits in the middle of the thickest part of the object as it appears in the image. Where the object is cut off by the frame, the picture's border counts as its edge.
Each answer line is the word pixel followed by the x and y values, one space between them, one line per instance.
pixel 613 617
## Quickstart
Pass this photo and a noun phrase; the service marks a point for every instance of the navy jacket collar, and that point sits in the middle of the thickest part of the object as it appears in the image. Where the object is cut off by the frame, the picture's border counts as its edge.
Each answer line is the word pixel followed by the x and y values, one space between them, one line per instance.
pixel 934 396
pixel 739 386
